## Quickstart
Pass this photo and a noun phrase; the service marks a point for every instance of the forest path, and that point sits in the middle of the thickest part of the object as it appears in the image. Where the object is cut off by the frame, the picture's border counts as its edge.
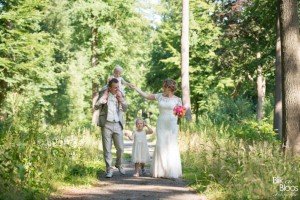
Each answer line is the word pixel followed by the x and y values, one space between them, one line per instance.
pixel 127 187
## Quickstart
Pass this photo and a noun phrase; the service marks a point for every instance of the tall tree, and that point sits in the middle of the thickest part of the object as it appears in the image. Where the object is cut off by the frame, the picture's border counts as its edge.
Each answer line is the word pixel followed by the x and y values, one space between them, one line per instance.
pixel 204 40
pixel 261 90
pixel 185 85
pixel 109 33
pixel 278 82
pixel 94 64
pixel 289 31
pixel 26 52
pixel 247 30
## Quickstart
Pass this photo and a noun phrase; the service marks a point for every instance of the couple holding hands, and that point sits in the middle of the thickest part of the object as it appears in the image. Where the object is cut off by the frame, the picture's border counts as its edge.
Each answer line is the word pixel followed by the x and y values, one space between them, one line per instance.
pixel 111 105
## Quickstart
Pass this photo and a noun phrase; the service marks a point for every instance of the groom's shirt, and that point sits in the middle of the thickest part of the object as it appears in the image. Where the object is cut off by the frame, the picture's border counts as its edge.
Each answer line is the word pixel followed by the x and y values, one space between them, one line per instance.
pixel 112 103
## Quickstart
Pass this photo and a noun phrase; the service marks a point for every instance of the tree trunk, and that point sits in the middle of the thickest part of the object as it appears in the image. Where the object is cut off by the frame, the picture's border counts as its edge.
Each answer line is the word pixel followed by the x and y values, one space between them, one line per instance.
pixel 94 63
pixel 289 32
pixel 197 111
pixel 185 86
pixel 278 84
pixel 261 91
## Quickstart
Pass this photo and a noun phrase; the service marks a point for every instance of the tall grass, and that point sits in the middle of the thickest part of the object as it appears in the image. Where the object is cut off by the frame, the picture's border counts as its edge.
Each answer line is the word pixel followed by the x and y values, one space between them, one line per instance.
pixel 33 158
pixel 35 155
pixel 226 154
pixel 238 161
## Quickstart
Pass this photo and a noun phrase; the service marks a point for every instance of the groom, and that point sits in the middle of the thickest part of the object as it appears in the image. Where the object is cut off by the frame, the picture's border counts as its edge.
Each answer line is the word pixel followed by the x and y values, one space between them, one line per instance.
pixel 111 123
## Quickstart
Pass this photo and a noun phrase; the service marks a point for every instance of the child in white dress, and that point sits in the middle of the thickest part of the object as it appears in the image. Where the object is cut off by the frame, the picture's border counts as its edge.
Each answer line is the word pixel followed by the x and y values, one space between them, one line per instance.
pixel 140 150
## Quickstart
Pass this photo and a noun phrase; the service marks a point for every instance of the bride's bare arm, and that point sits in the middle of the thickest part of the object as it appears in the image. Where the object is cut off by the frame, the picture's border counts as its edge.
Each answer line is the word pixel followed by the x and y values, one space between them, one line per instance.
pixel 143 94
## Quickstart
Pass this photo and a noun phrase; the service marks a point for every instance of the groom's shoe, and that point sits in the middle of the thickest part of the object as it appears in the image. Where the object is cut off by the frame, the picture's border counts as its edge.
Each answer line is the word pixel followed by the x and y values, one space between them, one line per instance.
pixel 121 169
pixel 109 174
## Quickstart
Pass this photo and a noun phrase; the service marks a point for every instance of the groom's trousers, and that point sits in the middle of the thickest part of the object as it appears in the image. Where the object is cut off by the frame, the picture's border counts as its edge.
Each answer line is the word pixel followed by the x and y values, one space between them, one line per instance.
pixel 112 132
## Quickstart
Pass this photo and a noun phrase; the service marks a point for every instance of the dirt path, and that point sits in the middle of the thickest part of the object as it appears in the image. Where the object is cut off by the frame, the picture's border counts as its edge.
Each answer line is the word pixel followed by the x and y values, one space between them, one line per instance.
pixel 126 187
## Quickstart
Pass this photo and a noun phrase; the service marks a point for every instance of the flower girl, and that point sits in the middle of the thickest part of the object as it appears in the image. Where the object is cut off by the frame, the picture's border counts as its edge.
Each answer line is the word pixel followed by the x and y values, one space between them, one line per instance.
pixel 140 151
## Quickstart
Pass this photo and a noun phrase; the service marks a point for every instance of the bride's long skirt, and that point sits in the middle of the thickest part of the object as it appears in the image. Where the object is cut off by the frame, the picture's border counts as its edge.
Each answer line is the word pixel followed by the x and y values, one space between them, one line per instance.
pixel 166 158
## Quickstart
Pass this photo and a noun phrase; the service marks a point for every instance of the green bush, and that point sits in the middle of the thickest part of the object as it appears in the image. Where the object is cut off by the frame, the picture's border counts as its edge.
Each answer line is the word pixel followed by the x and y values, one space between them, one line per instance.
pixel 237 162
pixel 253 131
pixel 34 155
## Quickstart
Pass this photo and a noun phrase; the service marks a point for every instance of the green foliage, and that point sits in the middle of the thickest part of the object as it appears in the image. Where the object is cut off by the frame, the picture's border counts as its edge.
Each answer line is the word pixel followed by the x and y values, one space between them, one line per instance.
pixel 234 118
pixel 46 81
pixel 84 173
pixel 247 27
pixel 222 108
pixel 225 38
pixel 204 41
pixel 231 168
pixel 34 156
pixel 253 131
pixel 122 33
pixel 25 51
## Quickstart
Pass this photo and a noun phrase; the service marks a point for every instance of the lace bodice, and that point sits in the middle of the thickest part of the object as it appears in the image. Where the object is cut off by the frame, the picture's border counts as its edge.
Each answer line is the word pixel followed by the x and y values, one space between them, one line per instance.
pixel 167 104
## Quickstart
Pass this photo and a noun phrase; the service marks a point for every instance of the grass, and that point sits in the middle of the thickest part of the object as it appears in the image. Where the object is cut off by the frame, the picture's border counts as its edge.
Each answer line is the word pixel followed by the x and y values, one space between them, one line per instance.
pixel 223 167
pixel 84 173
pixel 35 162
pixel 127 156
pixel 238 160
pixel 87 161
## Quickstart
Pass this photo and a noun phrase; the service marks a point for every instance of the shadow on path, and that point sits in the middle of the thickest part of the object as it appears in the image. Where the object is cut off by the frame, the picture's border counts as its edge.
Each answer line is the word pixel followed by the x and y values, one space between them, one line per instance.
pixel 127 187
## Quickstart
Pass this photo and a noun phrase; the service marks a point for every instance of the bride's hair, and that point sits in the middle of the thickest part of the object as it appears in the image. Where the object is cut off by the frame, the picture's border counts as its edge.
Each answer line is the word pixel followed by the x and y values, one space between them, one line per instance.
pixel 170 83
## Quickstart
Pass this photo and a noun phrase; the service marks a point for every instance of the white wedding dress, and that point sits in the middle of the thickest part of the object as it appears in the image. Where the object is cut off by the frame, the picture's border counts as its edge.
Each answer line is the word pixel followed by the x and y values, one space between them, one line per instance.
pixel 166 158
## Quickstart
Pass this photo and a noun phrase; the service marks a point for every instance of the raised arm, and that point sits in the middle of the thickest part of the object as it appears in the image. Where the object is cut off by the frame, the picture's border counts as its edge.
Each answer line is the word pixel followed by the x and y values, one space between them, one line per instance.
pixel 149 131
pixel 143 94
pixel 125 82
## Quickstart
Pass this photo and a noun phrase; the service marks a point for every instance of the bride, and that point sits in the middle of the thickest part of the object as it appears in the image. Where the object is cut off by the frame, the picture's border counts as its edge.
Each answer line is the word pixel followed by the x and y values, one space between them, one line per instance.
pixel 166 159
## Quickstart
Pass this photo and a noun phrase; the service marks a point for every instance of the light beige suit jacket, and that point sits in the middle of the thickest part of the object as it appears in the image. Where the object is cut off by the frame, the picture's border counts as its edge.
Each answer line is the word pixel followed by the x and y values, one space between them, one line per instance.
pixel 102 110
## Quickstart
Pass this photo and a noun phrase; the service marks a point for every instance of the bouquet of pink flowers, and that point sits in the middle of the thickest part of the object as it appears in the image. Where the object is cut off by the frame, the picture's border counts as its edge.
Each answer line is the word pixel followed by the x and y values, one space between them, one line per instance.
pixel 179 111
